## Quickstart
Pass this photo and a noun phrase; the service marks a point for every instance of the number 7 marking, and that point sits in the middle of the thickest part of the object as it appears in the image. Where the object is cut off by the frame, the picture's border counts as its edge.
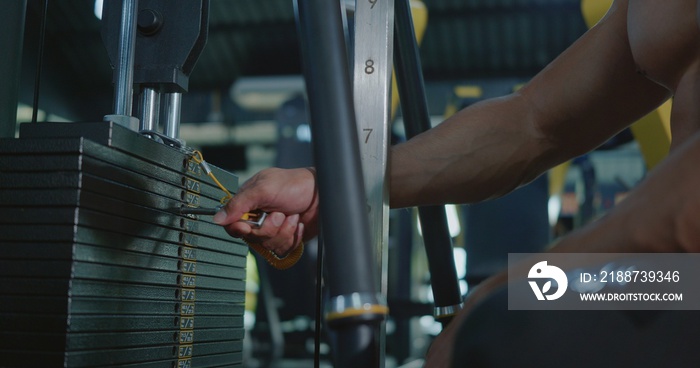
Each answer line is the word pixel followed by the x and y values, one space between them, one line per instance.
pixel 369 132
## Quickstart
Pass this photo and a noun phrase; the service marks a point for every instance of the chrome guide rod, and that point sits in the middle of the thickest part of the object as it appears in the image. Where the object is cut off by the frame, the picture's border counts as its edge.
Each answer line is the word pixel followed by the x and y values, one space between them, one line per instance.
pixel 124 68
pixel 173 103
pixel 123 89
pixel 150 109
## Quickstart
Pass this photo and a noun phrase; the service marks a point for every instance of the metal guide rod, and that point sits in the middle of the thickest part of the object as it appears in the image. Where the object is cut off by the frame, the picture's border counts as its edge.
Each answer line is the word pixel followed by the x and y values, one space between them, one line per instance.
pixel 355 311
pixel 374 33
pixel 150 109
pixel 173 103
pixel 438 243
pixel 124 92
pixel 124 68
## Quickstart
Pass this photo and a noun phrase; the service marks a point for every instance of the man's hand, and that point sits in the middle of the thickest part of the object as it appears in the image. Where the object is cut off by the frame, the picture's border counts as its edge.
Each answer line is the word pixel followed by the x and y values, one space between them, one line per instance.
pixel 290 198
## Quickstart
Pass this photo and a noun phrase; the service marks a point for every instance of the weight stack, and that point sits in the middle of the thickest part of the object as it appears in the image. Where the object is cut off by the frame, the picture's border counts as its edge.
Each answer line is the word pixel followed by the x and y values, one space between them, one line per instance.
pixel 97 266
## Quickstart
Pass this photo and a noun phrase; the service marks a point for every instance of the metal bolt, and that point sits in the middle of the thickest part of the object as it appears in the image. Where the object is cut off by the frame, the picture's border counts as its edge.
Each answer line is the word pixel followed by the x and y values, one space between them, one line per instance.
pixel 149 22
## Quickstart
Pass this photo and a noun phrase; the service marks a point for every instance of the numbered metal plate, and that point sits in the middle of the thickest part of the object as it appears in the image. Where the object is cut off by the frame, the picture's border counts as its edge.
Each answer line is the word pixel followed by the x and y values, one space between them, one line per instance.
pixel 373 60
pixel 374 25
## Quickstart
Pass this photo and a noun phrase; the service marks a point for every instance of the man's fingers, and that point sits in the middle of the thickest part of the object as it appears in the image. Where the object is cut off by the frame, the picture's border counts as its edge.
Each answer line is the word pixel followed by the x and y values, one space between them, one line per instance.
pixel 281 237
pixel 300 233
pixel 238 229
pixel 229 214
pixel 239 205
pixel 278 232
pixel 221 216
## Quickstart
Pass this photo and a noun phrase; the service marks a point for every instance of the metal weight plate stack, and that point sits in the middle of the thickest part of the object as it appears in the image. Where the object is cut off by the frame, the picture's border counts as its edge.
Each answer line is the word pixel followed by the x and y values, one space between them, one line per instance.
pixel 97 266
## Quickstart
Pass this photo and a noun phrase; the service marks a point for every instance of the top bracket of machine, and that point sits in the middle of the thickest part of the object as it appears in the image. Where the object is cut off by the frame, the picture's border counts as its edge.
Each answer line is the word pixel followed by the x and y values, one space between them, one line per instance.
pixel 171 35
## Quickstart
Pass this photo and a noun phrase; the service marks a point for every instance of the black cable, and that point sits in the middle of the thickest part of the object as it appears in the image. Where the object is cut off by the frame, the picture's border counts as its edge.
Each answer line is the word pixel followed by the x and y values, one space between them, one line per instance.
pixel 40 57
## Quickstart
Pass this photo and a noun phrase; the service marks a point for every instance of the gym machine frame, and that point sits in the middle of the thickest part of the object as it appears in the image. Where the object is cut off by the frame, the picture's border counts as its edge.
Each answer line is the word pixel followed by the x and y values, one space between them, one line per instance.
pixel 356 309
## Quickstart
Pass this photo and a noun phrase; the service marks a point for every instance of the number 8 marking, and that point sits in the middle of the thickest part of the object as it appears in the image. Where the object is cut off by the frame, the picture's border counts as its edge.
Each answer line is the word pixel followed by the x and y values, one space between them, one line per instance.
pixel 369 66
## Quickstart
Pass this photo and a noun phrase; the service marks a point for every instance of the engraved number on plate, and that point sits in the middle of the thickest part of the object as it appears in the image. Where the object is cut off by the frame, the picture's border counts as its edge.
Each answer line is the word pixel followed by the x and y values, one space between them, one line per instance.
pixel 189 253
pixel 188 267
pixel 186 337
pixel 193 185
pixel 184 351
pixel 188 280
pixel 187 309
pixel 194 167
pixel 186 323
pixel 187 294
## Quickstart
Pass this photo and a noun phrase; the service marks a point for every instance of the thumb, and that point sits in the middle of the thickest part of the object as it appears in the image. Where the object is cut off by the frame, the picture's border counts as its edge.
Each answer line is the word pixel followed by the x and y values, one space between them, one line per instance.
pixel 233 211
pixel 221 216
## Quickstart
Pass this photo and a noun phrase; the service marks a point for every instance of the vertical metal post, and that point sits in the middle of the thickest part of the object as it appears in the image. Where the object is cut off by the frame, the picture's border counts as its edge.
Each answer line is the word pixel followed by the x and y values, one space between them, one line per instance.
pixel 124 90
pixel 12 18
pixel 173 102
pixel 374 34
pixel 150 109
pixel 355 311
pixel 124 68
pixel 438 243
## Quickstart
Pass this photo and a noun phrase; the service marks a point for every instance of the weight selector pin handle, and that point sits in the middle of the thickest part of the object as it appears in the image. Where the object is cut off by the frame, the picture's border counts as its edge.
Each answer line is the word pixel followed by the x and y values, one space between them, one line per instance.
pixel 254 219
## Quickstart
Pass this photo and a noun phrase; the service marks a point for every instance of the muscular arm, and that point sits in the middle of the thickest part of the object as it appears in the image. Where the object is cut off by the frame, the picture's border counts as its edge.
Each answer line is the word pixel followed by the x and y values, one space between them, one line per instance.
pixel 584 97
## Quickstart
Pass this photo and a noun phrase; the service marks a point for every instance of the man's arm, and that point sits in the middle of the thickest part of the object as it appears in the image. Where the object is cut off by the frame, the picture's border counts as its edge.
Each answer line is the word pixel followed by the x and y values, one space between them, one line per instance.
pixel 585 96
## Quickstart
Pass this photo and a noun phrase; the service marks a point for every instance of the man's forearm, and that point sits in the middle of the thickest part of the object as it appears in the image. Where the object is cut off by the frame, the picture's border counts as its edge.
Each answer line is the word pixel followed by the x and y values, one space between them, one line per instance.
pixel 485 150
